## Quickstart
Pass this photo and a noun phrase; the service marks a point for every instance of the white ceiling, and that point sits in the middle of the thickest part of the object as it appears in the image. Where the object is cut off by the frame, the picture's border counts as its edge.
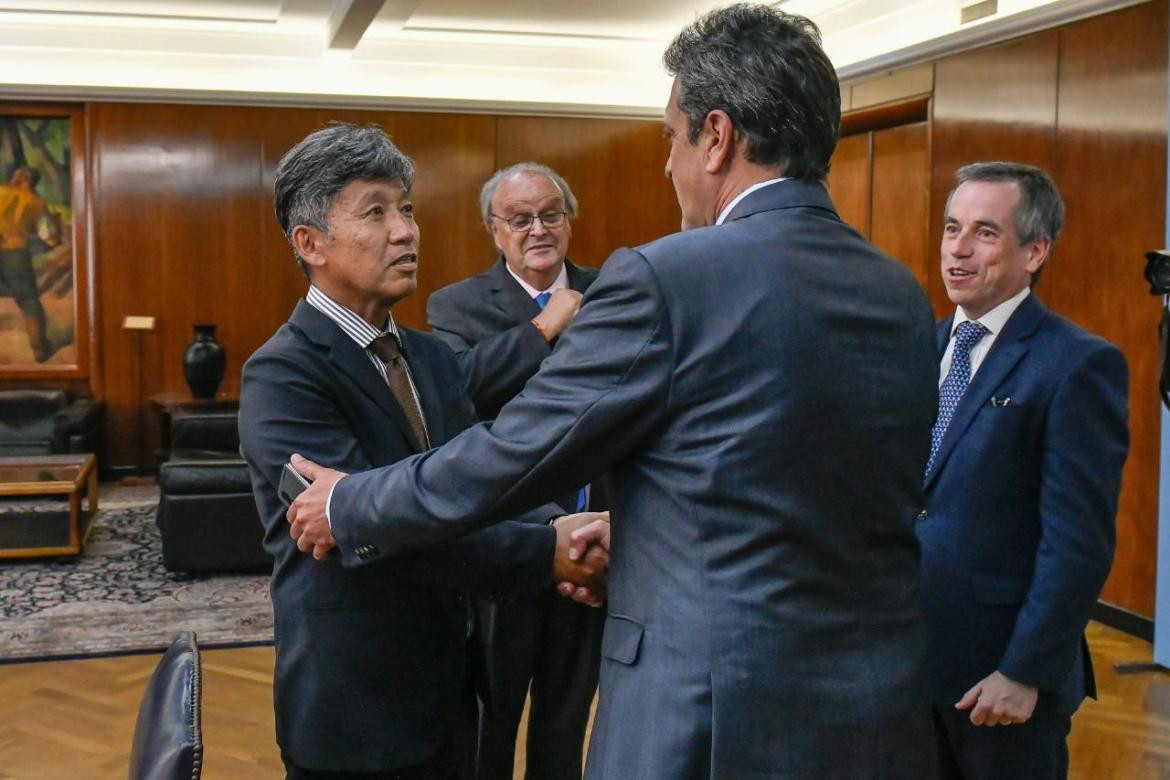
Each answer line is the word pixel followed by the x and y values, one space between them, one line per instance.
pixel 556 56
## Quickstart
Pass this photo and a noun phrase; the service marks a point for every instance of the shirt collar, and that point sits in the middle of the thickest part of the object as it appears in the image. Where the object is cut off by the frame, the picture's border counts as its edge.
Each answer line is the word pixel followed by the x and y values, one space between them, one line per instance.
pixel 561 282
pixel 353 326
pixel 995 319
pixel 735 201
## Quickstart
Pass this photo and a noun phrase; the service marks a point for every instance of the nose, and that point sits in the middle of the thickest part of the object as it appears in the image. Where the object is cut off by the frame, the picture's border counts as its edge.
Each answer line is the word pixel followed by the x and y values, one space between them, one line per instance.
pixel 667 169
pixel 958 244
pixel 538 229
pixel 401 229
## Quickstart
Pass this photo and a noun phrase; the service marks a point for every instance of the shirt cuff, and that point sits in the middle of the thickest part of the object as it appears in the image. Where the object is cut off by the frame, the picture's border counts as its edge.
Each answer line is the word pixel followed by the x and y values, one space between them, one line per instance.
pixel 329 505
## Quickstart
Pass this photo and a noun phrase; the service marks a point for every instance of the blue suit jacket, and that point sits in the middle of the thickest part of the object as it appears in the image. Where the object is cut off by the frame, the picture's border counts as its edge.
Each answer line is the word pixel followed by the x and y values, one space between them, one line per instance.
pixel 762 392
pixel 1018 533
pixel 369 660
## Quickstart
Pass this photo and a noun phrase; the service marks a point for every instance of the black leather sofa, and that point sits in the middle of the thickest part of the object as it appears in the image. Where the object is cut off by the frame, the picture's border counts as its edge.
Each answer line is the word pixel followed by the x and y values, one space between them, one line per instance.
pixel 206 513
pixel 49 422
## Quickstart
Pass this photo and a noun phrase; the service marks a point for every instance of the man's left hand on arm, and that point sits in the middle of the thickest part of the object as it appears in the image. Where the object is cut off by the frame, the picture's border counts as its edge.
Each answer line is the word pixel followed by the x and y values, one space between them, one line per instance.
pixel 307 516
pixel 999 701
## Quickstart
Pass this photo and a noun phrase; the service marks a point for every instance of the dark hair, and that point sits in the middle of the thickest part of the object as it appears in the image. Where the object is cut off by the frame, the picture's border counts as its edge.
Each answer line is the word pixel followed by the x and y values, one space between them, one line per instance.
pixel 1040 210
pixel 767 70
pixel 491 185
pixel 311 175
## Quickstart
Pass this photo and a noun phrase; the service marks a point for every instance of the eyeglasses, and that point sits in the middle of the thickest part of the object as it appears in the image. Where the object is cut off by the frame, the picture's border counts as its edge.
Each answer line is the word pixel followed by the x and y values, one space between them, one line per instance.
pixel 522 222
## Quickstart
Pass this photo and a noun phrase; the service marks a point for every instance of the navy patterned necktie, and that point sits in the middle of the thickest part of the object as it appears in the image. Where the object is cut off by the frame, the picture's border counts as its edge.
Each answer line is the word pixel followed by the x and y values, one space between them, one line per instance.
pixel 542 299
pixel 967 336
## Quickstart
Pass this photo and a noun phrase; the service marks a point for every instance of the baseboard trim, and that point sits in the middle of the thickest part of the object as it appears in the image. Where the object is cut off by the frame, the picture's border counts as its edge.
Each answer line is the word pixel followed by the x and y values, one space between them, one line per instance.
pixel 1123 620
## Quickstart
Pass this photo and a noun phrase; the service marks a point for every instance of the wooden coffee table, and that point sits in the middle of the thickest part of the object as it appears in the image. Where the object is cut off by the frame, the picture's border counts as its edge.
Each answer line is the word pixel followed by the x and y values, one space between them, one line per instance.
pixel 57 525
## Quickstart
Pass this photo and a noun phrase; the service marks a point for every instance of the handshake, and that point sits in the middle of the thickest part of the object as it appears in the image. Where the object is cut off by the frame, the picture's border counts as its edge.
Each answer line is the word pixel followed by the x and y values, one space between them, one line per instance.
pixel 581 562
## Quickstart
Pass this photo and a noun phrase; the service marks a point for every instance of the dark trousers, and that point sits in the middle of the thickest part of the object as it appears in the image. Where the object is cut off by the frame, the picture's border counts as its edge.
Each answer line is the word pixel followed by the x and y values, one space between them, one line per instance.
pixel 554 644
pixel 1034 750
pixel 427 771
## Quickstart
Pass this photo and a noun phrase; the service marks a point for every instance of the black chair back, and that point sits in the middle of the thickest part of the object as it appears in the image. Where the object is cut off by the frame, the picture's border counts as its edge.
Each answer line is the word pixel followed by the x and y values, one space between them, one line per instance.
pixel 168 738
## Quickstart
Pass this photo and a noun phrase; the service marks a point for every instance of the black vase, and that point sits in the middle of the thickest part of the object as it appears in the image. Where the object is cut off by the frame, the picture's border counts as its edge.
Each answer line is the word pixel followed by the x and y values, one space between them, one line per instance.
pixel 203 362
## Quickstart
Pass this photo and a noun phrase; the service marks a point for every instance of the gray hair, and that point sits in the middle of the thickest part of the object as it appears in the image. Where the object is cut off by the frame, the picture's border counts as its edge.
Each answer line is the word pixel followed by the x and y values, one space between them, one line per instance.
pixel 1040 211
pixel 313 173
pixel 491 185
pixel 767 70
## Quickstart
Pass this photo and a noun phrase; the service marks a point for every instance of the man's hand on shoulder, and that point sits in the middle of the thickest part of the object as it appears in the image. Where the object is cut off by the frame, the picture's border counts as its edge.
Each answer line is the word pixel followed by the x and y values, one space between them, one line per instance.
pixel 560 310
pixel 307 516
pixel 581 561
pixel 999 701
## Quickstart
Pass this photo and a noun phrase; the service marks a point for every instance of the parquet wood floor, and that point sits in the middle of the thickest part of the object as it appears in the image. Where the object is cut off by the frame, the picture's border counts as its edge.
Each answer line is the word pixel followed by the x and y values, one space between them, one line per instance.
pixel 74 720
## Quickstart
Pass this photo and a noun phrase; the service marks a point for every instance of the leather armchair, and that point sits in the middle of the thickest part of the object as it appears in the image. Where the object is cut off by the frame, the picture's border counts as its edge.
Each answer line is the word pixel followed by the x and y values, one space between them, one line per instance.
pixel 168 736
pixel 49 422
pixel 206 513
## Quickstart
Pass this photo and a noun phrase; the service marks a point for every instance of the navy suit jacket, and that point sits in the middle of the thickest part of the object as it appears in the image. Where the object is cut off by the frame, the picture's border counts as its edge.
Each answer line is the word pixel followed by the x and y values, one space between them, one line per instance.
pixel 1018 532
pixel 762 392
pixel 369 660
pixel 486 320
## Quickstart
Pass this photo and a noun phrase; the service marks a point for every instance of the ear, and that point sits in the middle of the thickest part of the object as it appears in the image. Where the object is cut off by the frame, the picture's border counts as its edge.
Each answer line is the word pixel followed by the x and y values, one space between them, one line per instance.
pixel 1037 254
pixel 307 241
pixel 493 228
pixel 718 140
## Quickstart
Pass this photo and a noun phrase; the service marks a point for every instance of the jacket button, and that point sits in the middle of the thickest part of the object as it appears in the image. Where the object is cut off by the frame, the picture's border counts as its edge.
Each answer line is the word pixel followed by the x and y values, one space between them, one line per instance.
pixel 922 515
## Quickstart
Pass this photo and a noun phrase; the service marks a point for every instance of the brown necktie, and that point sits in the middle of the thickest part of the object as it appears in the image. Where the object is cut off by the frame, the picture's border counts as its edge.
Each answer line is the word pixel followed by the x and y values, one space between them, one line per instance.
pixel 386 347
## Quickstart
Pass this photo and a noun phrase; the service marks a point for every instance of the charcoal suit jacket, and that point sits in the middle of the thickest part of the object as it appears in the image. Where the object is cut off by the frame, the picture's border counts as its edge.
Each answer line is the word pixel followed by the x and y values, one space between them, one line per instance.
pixel 762 392
pixel 369 660
pixel 486 320
pixel 1018 532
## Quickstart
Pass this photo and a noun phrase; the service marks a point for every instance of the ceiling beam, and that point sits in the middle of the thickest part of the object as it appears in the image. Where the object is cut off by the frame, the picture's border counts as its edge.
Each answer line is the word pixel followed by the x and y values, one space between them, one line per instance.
pixel 349 21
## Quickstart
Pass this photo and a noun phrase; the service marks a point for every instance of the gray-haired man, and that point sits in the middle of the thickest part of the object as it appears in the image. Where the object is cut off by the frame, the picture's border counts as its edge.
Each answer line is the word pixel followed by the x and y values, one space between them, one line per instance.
pixel 502 323
pixel 370 678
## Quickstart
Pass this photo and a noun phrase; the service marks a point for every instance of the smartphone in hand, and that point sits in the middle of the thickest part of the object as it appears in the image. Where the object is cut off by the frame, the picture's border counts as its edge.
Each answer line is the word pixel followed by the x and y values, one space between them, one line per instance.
pixel 291 484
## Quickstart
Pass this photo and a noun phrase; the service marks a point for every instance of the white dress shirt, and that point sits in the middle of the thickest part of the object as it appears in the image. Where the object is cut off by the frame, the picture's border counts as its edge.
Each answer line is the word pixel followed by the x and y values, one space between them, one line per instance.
pixel 560 283
pixel 993 320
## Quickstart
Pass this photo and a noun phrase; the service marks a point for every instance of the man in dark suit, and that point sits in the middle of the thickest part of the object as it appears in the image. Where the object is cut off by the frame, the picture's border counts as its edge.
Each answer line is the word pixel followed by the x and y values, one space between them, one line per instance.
pixel 762 386
pixel 1021 488
pixel 501 324
pixel 370 675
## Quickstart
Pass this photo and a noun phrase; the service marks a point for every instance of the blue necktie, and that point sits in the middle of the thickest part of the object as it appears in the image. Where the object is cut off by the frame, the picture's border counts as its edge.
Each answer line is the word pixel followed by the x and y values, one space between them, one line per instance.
pixel 967 336
pixel 582 494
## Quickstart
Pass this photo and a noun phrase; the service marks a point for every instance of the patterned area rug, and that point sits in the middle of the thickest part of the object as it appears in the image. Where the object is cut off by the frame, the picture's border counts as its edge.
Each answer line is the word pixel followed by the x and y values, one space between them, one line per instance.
pixel 117 598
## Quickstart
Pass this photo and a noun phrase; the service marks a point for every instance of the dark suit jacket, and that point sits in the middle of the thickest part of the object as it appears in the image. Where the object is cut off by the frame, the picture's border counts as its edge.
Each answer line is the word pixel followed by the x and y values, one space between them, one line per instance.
pixel 369 660
pixel 486 320
pixel 764 391
pixel 1018 533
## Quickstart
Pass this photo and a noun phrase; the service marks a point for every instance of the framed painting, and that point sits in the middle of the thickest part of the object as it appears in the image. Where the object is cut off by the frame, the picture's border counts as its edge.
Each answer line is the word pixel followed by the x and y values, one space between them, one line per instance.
pixel 44 325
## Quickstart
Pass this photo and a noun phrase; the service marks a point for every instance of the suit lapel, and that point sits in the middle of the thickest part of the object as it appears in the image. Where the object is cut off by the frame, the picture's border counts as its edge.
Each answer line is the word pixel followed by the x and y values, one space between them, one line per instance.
pixel 508 296
pixel 1008 350
pixel 350 359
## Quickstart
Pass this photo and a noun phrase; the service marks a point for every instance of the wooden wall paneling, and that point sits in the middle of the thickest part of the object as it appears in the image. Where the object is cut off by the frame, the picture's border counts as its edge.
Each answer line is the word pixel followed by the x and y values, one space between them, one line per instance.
pixel 900 201
pixel 1111 168
pixel 179 210
pixel 995 103
pixel 453 156
pixel 850 180
pixel 616 168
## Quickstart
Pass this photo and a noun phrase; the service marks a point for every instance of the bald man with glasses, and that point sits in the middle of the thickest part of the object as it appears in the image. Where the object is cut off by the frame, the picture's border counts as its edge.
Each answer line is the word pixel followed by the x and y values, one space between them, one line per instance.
pixel 501 324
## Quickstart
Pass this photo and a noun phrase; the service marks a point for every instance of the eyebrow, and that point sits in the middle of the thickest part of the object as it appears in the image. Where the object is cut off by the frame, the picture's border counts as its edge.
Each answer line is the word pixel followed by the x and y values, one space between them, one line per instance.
pixel 949 220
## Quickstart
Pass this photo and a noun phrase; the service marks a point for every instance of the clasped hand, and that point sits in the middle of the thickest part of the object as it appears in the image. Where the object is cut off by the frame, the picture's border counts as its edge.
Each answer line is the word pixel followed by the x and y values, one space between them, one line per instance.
pixel 580 563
